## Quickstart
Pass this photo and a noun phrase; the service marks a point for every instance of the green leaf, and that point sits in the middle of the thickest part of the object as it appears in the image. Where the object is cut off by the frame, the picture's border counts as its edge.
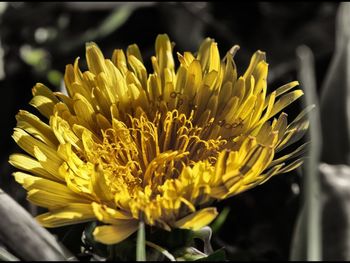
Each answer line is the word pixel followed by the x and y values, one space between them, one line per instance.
pixel 161 250
pixel 189 254
pixel 220 220
pixel 218 255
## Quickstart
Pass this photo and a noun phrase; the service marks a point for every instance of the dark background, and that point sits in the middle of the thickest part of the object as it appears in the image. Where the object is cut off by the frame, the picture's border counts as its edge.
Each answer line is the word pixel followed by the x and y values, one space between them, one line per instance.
pixel 39 39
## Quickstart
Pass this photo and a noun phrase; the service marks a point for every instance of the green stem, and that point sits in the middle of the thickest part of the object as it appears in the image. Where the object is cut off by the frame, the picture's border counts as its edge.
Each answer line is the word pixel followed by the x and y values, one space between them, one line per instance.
pixel 220 220
pixel 141 244
pixel 161 250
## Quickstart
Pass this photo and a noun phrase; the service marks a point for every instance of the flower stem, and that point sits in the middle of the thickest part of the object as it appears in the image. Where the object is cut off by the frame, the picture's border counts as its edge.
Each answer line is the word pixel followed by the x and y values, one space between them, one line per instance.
pixel 161 250
pixel 141 244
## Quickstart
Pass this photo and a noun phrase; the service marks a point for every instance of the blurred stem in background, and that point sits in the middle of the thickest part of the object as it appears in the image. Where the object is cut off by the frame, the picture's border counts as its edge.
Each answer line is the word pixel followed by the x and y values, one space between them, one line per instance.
pixel 309 228
pixel 335 95
pixel 331 225
pixel 117 18
pixel 335 171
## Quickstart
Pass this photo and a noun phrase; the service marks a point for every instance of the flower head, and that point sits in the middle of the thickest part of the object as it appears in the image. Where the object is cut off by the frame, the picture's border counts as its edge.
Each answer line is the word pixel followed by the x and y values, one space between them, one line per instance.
pixel 124 145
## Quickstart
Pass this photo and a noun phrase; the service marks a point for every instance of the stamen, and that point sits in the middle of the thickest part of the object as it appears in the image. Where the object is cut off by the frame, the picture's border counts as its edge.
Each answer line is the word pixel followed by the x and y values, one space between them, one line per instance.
pixel 144 156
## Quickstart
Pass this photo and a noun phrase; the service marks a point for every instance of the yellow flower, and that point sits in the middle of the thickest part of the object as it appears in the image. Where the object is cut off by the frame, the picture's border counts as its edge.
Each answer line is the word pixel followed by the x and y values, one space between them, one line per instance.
pixel 125 145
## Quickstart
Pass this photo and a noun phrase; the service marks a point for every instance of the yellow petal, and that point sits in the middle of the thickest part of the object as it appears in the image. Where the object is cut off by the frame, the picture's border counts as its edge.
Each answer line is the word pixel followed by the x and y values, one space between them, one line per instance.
pixel 257 165
pixel 42 90
pixel 245 108
pixel 65 112
pixel 73 213
pixel 229 110
pixel 188 58
pixel 109 215
pixel 26 163
pixel 99 184
pixel 102 122
pixel 297 152
pixel 84 111
pixel 139 69
pixel 47 193
pixel 48 162
pixel 181 75
pixel 198 219
pixel 280 125
pixel 214 58
pixel 194 79
pixel 63 132
pixel 105 86
pixel 34 126
pixel 203 52
pixel 115 233
pixel 230 67
pixel 76 181
pixel 239 89
pixel 283 89
pixel 260 75
pixel 133 50
pixel 284 101
pixel 225 94
pixel 220 166
pixel 95 58
pixel 119 60
pixel 47 156
pixel 256 58
pixel 164 52
pixel 271 172
pixel 43 104
pixel 269 103
pixel 292 166
pixel 69 79
pixel 65 100
pixel 293 134
pixel 258 108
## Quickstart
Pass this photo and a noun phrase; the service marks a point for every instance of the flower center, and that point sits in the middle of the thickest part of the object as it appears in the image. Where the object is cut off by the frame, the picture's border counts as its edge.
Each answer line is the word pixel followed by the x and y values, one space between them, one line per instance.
pixel 142 152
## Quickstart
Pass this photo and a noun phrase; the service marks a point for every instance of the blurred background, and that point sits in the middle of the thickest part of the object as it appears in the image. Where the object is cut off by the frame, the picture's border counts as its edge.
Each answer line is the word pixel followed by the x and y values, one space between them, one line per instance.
pixel 38 39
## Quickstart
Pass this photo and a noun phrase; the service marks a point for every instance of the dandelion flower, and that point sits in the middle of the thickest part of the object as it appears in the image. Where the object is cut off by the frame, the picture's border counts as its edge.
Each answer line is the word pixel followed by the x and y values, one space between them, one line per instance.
pixel 124 146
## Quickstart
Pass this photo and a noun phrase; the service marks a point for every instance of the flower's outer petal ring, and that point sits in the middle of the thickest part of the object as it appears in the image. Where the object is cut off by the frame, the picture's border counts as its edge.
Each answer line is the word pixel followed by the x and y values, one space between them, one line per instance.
pixel 198 219
pixel 71 214
pixel 112 234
